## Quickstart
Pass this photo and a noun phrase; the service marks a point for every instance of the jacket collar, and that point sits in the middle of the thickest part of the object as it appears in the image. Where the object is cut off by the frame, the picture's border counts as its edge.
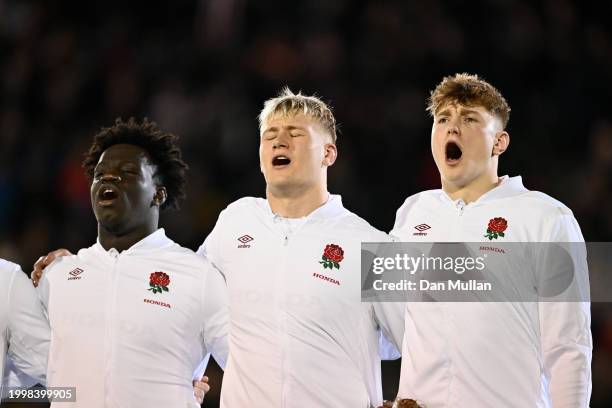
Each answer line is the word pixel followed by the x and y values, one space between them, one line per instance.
pixel 155 240
pixel 332 207
pixel 508 187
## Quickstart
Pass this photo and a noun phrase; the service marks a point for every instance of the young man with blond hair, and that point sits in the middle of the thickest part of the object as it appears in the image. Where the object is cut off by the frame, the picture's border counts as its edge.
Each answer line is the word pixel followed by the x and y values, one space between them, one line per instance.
pixel 499 354
pixel 300 336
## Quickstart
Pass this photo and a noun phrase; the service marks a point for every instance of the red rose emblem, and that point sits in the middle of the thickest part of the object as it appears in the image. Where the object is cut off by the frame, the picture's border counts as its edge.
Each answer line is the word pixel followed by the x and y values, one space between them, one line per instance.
pixel 158 282
pixel 498 224
pixel 334 253
pixel 496 228
pixel 332 256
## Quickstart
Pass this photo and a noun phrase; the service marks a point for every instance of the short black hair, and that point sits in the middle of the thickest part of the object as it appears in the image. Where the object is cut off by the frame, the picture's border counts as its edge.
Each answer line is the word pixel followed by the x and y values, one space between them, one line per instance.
pixel 161 146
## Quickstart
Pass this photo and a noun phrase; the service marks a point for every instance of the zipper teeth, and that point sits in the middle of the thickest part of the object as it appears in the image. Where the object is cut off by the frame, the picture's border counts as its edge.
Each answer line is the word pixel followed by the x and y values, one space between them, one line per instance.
pixel 283 325
pixel 460 207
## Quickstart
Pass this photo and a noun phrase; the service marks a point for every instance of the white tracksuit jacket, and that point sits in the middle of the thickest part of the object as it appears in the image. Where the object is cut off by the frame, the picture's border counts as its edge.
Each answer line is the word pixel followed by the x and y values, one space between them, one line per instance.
pixel 513 354
pixel 24 329
pixel 119 342
pixel 299 334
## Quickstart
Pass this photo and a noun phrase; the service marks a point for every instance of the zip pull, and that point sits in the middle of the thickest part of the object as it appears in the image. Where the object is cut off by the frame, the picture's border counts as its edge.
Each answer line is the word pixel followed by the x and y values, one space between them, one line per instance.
pixel 460 207
pixel 286 241
pixel 113 253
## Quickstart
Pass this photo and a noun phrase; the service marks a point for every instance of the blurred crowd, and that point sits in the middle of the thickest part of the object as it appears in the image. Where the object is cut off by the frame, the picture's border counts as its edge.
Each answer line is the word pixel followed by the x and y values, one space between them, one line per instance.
pixel 203 69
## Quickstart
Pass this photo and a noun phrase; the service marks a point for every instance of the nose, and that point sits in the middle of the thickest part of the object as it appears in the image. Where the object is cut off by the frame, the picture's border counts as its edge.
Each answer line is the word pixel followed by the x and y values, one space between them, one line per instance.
pixel 280 141
pixel 111 177
pixel 453 129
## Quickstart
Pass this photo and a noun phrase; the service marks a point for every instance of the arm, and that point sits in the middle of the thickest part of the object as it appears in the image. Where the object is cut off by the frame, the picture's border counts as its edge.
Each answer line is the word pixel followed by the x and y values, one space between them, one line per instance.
pixel 215 316
pixel 211 247
pixel 28 329
pixel 390 319
pixel 565 325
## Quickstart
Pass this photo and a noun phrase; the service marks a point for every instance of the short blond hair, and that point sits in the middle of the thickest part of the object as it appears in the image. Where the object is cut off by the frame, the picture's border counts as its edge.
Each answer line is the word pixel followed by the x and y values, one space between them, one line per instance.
pixel 469 90
pixel 289 103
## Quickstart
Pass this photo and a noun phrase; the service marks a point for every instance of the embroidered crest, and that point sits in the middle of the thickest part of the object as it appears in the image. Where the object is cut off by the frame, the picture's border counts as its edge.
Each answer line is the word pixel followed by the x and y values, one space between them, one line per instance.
pixel 496 228
pixel 158 282
pixel 332 256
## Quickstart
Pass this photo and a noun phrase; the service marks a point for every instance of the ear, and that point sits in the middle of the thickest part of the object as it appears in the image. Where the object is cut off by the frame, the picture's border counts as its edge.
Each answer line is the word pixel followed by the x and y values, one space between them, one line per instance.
pixel 261 164
pixel 160 196
pixel 502 140
pixel 331 153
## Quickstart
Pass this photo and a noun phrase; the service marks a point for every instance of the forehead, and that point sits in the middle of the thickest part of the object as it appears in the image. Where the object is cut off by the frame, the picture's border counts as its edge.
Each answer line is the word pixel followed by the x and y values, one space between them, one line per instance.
pixel 458 108
pixel 124 153
pixel 283 120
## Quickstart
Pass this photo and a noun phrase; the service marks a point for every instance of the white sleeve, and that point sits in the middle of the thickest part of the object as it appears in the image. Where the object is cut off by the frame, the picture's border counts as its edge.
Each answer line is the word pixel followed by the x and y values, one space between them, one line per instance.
pixel 566 326
pixel 28 329
pixel 215 316
pixel 389 316
pixel 390 319
pixel 16 378
pixel 211 247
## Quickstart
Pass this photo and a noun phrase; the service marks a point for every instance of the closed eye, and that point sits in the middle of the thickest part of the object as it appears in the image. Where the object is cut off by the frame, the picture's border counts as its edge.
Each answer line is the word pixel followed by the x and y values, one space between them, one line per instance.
pixel 470 119
pixel 130 171
pixel 98 173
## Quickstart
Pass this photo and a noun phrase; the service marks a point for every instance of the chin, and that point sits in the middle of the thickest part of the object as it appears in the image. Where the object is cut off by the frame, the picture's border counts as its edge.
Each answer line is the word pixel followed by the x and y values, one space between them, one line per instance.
pixel 111 223
pixel 456 178
pixel 281 183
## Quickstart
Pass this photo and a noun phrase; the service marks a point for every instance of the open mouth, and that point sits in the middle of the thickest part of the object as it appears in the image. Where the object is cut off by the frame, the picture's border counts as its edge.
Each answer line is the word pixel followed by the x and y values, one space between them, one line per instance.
pixel 107 195
pixel 280 161
pixel 453 152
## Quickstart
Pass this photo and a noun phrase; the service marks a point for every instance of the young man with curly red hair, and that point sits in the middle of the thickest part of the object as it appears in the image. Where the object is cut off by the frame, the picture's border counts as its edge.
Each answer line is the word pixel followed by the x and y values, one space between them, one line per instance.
pixel 495 354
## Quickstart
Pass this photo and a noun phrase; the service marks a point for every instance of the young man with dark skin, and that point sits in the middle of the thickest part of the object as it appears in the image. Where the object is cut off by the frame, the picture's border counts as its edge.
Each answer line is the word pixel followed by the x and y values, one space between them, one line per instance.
pixel 135 308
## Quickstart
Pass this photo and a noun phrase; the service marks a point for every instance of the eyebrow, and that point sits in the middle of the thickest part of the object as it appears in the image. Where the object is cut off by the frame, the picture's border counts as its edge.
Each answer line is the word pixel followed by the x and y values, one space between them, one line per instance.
pixel 275 129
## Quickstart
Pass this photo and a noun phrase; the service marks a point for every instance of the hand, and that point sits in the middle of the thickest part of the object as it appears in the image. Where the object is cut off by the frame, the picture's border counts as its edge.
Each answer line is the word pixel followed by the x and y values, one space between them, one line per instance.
pixel 200 388
pixel 45 261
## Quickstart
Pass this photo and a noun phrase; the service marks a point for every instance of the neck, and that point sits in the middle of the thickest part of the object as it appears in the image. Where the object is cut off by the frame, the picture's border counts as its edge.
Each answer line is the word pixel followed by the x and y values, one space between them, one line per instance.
pixel 296 204
pixel 124 240
pixel 471 191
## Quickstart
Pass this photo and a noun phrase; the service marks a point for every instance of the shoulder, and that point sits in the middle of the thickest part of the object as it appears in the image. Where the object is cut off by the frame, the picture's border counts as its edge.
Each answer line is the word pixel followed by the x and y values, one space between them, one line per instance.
pixel 548 218
pixel 544 202
pixel 357 227
pixel 423 200
pixel 537 207
pixel 84 257
pixel 186 259
pixel 418 198
pixel 244 204
pixel 8 272
pixel 7 267
pixel 243 207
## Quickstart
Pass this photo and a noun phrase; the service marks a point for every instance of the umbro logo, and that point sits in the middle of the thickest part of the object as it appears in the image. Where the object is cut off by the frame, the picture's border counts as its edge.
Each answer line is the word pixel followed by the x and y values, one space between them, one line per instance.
pixel 244 240
pixel 421 228
pixel 74 274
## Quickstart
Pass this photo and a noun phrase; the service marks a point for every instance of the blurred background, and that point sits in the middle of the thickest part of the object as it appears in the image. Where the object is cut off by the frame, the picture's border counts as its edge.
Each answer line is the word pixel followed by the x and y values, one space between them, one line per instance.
pixel 203 69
